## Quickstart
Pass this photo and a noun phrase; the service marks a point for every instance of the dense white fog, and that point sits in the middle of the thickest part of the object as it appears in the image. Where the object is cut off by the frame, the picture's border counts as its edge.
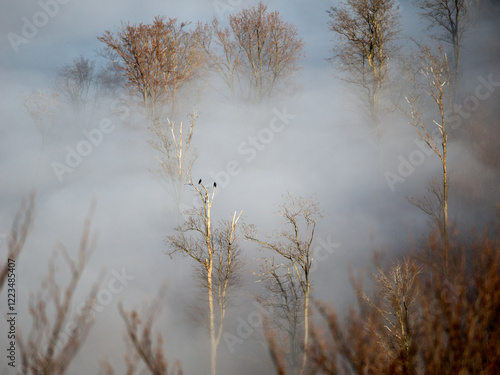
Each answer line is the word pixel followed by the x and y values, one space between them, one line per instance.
pixel 325 148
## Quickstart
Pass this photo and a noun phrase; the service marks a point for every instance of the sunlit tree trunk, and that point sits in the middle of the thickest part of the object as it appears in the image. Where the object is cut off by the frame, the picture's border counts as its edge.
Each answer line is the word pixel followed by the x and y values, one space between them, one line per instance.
pixel 293 287
pixel 438 86
pixel 445 202
pixel 214 252
pixel 306 327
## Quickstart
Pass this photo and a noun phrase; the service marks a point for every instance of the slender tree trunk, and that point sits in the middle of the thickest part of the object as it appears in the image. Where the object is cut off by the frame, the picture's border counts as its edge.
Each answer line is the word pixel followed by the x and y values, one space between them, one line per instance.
pixel 406 339
pixel 210 266
pixel 445 207
pixel 148 110
pixel 375 96
pixel 445 189
pixel 306 329
pixel 456 50
pixel 179 172
pixel 375 112
pixel 456 33
pixel 179 198
pixel 213 343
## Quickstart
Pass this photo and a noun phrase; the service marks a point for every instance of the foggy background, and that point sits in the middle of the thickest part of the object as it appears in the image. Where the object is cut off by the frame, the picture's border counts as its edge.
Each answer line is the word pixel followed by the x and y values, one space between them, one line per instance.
pixel 328 150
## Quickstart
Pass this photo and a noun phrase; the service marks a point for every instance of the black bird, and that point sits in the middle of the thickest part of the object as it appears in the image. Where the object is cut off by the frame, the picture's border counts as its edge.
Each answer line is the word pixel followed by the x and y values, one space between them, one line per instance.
pixel 199 182
pixel 215 184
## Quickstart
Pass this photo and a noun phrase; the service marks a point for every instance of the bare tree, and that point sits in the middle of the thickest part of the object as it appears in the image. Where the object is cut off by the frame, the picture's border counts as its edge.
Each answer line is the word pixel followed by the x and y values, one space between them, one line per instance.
pixel 216 254
pixel 434 81
pixel 157 60
pixel 395 303
pixel 459 325
pixel 348 347
pixel 109 81
pixel 439 324
pixel 292 288
pixel 367 31
pixel 74 82
pixel 141 345
pixel 42 106
pixel 275 350
pixel 222 53
pixel 450 18
pixel 416 321
pixel 21 228
pixel 51 345
pixel 177 158
pixel 270 49
pixel 377 337
pixel 285 296
pixel 83 86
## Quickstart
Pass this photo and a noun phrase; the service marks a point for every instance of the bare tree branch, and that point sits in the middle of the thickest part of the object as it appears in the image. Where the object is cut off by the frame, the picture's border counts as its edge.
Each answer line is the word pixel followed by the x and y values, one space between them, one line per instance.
pixel 217 255
pixel 290 284
pixel 367 32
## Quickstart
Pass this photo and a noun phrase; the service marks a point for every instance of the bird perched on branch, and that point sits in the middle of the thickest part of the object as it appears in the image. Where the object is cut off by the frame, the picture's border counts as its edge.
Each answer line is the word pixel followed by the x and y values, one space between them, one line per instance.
pixel 199 182
pixel 215 184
